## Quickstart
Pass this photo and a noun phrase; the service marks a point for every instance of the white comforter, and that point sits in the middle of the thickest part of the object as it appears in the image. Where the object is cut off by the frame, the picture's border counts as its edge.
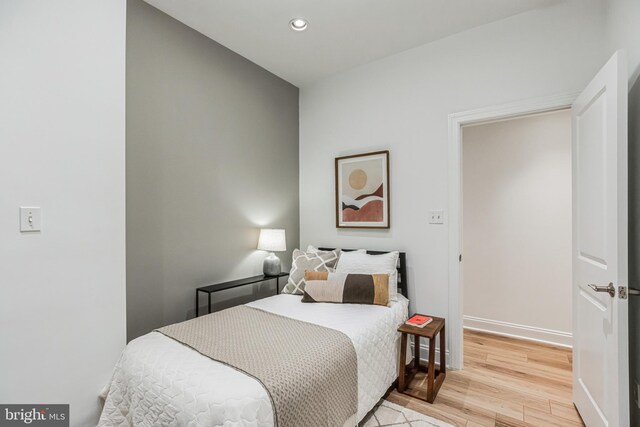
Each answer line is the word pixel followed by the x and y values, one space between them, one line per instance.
pixel 159 381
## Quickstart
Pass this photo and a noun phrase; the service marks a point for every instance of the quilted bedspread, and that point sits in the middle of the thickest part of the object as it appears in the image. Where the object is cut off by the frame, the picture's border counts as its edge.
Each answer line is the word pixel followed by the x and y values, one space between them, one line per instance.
pixel 309 371
pixel 159 381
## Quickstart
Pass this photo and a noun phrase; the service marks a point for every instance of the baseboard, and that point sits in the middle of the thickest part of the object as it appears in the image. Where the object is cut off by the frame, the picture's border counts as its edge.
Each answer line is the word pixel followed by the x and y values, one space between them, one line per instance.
pixel 529 333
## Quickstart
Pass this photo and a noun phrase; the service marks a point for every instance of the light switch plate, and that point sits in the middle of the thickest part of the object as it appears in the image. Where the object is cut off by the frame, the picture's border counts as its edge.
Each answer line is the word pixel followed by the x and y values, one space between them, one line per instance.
pixel 436 217
pixel 30 219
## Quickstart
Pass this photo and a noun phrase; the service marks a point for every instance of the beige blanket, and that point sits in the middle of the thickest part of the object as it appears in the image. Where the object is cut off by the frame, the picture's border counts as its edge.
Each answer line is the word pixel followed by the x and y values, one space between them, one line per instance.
pixel 309 371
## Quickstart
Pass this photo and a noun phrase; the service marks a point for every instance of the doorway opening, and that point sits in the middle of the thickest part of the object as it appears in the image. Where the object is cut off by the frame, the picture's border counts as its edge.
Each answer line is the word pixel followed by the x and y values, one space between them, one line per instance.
pixel 457 123
pixel 599 250
pixel 515 278
pixel 516 227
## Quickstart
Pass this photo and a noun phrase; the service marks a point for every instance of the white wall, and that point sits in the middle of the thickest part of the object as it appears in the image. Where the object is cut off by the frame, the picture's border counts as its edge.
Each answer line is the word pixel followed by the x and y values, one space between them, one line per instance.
pixel 517 227
pixel 402 103
pixel 62 141
pixel 623 32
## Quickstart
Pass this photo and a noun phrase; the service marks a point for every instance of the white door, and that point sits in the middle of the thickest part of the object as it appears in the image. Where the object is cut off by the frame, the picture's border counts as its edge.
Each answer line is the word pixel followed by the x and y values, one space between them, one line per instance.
pixel 600 336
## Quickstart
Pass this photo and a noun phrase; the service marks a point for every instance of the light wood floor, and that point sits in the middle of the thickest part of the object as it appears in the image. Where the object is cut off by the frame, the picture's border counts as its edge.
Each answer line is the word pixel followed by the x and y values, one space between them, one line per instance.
pixel 505 383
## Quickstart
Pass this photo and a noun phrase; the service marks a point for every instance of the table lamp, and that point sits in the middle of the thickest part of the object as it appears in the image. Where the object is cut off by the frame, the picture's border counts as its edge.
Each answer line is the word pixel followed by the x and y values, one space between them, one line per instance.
pixel 272 240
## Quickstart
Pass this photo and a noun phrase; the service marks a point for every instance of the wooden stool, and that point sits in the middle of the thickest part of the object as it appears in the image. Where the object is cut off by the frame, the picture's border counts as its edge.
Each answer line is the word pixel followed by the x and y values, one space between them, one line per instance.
pixel 435 378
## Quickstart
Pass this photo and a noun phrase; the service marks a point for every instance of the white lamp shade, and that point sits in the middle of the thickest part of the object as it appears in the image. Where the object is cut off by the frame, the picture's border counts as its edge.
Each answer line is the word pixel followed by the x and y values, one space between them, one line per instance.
pixel 272 240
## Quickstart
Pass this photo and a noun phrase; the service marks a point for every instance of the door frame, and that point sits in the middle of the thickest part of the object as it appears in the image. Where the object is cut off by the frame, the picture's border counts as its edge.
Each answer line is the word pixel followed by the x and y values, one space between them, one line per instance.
pixel 456 121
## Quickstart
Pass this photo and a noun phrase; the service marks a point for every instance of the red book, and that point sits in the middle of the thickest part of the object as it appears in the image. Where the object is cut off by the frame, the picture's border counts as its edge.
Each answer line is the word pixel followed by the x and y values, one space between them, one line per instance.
pixel 419 321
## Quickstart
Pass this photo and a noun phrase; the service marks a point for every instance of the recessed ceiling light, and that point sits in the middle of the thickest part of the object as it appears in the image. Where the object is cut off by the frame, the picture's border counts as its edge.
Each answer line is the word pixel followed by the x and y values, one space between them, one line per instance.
pixel 298 24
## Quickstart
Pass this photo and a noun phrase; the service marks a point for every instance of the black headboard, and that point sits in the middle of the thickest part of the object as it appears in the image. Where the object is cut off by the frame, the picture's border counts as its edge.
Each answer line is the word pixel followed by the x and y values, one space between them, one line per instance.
pixel 402 268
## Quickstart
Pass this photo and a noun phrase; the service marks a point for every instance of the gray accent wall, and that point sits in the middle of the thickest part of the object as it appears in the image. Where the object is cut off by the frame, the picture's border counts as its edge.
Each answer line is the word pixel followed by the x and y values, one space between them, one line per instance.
pixel 212 156
pixel 634 246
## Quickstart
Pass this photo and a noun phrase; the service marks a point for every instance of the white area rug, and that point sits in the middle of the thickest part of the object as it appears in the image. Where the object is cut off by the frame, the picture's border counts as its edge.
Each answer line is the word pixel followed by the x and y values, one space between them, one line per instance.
pixel 390 414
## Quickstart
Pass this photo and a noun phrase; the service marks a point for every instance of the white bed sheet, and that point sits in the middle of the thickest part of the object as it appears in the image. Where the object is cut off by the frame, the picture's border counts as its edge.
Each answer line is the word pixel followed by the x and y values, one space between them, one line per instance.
pixel 160 381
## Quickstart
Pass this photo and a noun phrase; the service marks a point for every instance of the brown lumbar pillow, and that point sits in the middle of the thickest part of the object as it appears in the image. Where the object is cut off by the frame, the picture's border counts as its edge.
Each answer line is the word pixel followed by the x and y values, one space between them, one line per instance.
pixel 346 288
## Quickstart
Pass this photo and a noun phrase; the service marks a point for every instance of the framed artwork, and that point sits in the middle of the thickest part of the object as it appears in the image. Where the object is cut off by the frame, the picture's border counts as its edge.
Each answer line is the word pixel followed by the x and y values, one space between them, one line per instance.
pixel 362 190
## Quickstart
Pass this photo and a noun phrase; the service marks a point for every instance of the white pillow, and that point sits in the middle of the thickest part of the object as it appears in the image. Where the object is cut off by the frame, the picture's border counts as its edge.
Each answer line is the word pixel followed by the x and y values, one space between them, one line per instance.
pixel 358 262
pixel 313 250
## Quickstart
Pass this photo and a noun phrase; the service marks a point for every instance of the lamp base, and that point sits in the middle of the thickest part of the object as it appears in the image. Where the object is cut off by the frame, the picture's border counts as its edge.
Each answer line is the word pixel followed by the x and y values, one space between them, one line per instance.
pixel 271 266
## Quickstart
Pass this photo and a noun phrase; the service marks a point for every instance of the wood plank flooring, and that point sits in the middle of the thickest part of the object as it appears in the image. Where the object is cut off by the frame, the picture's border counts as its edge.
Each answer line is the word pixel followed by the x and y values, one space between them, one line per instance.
pixel 505 383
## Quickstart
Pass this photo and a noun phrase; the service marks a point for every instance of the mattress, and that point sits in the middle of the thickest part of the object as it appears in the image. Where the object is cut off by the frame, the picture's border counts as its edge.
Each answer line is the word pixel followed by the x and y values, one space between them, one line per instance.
pixel 160 381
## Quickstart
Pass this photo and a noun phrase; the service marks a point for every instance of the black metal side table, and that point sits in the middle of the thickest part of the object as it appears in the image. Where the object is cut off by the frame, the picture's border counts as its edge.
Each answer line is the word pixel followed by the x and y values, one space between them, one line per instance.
pixel 210 289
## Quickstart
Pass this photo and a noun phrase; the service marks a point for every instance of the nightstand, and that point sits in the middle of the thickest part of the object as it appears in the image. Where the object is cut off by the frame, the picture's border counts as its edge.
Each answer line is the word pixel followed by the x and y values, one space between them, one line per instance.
pixel 435 377
pixel 217 287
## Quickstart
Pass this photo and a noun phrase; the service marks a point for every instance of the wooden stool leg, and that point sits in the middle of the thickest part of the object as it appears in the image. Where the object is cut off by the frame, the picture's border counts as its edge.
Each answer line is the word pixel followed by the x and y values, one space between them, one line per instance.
pixel 416 352
pixel 443 353
pixel 432 370
pixel 402 361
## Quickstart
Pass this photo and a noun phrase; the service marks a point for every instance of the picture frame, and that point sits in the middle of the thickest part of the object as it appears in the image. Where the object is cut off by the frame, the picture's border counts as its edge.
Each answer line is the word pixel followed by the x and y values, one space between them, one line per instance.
pixel 362 190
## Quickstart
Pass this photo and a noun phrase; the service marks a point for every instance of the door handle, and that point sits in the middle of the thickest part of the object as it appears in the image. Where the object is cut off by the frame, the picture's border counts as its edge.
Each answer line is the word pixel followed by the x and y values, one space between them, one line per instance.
pixel 610 289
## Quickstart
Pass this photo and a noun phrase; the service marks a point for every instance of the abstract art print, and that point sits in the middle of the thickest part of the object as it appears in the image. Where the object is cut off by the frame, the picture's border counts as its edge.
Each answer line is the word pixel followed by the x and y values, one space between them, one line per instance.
pixel 362 190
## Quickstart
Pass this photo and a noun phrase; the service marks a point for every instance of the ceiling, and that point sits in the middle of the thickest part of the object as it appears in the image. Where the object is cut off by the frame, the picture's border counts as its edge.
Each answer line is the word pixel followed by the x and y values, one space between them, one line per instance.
pixel 341 34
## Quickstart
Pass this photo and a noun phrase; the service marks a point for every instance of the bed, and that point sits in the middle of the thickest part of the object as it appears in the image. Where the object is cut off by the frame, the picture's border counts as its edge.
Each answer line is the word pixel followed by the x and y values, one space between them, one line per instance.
pixel 160 381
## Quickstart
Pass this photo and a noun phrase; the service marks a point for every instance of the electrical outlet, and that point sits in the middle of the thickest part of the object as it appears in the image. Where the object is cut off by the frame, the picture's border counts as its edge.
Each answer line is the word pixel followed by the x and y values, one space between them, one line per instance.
pixel 436 217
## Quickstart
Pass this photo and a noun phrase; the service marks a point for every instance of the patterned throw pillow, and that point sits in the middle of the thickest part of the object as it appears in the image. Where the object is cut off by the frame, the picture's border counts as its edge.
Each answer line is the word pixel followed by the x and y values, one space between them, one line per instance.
pixel 346 288
pixel 303 261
